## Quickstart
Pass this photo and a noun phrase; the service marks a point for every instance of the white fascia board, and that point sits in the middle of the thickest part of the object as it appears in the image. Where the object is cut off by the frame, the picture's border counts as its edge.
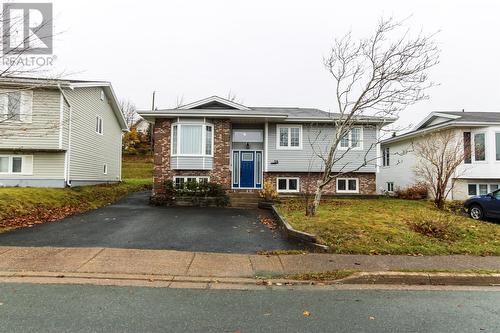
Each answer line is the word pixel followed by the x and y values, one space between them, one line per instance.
pixel 214 99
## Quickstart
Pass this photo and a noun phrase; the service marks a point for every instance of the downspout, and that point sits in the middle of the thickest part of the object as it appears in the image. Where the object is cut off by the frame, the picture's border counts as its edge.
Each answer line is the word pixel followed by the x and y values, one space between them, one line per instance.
pixel 68 153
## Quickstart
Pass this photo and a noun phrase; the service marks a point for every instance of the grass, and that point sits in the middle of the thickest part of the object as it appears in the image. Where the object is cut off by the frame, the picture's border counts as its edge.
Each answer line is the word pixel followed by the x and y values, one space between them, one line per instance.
pixel 387 226
pixel 21 207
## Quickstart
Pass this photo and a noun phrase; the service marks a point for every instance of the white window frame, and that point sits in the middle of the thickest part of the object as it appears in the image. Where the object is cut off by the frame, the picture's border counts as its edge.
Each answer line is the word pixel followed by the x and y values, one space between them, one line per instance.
pixel 25 108
pixel 203 139
pixel 346 185
pixel 349 136
pixel 496 147
pixel 186 177
pixel 105 168
pixel 488 186
pixel 99 125
pixel 288 146
pixel 473 139
pixel 386 157
pixel 392 187
pixel 287 185
pixel 23 165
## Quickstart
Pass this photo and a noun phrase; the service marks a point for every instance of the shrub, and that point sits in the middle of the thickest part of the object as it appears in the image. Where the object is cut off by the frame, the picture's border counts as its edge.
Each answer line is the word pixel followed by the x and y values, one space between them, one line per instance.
pixel 268 193
pixel 202 193
pixel 413 192
pixel 440 227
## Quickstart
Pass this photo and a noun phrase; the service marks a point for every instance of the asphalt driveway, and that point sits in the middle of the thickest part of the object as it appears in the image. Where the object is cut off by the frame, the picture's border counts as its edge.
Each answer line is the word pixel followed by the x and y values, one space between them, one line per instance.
pixel 133 223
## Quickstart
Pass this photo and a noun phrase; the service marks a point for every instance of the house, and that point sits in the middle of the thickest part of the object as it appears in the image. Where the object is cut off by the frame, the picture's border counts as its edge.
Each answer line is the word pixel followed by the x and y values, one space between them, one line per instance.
pixel 57 133
pixel 478 174
pixel 240 147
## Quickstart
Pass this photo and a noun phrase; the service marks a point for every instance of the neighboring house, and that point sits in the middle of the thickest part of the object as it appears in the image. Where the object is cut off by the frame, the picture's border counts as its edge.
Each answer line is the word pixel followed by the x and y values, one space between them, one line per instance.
pixel 240 147
pixel 478 174
pixel 57 133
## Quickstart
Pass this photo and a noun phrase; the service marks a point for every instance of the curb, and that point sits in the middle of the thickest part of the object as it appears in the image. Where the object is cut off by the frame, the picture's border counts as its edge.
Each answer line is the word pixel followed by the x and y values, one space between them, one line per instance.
pixel 360 278
pixel 309 240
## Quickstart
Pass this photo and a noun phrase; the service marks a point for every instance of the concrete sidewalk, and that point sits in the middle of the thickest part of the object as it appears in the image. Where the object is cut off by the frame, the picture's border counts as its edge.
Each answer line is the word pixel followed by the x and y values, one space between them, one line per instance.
pixel 198 264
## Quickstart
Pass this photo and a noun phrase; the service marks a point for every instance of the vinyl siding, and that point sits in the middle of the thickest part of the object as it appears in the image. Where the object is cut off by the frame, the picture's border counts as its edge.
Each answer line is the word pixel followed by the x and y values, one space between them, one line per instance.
pixel 90 150
pixel 43 131
pixel 191 163
pixel 45 165
pixel 316 139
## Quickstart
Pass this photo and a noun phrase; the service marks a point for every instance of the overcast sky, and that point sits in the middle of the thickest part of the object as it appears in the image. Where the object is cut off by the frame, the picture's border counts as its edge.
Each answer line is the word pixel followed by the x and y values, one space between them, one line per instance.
pixel 269 53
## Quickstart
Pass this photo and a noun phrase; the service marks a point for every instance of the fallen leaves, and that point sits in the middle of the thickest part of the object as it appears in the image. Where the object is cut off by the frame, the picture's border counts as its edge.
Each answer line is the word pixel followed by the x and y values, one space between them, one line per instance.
pixel 269 222
pixel 306 313
pixel 40 215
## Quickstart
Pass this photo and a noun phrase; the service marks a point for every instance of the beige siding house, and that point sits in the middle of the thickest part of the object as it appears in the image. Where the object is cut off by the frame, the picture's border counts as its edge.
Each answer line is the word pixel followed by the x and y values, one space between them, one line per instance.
pixel 57 133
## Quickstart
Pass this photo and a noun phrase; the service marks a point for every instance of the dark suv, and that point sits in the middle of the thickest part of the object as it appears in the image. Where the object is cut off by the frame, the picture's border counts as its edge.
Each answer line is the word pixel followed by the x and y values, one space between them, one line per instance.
pixel 482 206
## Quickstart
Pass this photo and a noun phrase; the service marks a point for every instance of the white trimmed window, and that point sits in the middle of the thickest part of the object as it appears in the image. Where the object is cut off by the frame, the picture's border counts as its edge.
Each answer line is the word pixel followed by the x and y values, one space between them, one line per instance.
pixel 287 184
pixel 289 136
pixel 102 95
pixel 497 145
pixel 386 157
pixel 192 139
pixel 16 106
pixel 482 189
pixel 347 185
pixel 479 147
pixel 390 187
pixel 353 139
pixel 16 164
pixel 105 169
pixel 179 181
pixel 98 125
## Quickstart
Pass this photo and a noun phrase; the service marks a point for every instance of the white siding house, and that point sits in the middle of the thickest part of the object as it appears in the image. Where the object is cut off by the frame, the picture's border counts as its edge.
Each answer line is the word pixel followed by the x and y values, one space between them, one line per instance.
pixel 57 133
pixel 478 175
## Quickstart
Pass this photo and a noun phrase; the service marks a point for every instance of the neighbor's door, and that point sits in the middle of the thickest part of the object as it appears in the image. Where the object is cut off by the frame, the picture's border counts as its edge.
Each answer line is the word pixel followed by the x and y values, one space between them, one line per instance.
pixel 247 169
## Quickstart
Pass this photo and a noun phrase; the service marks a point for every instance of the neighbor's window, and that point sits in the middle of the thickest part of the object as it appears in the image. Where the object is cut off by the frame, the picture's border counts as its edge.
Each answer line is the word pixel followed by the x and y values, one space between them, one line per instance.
pixel 482 189
pixel 472 189
pixel 192 139
pixel 353 139
pixel 479 147
pixel 287 184
pixel 386 157
pixel 347 185
pixel 16 105
pixel 289 137
pixel 98 125
pixel 497 144
pixel 180 182
pixel 390 187
pixel 467 148
pixel 16 164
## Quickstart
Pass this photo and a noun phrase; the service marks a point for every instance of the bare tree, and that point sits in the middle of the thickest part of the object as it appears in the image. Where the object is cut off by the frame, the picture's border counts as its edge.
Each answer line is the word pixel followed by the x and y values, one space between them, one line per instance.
pixel 378 76
pixel 439 155
pixel 129 112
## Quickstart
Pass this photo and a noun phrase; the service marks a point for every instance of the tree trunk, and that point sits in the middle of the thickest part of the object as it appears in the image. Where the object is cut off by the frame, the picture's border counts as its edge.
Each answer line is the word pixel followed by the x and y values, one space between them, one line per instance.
pixel 315 204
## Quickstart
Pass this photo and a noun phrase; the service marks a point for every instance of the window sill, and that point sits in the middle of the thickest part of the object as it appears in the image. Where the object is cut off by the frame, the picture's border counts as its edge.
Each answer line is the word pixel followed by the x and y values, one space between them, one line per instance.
pixel 187 155
pixel 289 148
pixel 347 192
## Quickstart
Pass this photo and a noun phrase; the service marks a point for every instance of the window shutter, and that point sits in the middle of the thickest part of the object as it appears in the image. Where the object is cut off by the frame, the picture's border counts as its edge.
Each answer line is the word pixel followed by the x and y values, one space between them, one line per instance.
pixel 4 102
pixel 26 105
pixel 27 167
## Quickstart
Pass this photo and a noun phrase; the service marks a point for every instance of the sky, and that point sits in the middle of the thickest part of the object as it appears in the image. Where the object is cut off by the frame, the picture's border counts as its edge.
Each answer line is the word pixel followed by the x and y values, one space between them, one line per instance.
pixel 268 53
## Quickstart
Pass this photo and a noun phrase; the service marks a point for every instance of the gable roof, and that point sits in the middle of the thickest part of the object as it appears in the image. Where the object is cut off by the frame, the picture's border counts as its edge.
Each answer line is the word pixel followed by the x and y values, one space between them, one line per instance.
pixel 218 107
pixel 35 82
pixel 449 119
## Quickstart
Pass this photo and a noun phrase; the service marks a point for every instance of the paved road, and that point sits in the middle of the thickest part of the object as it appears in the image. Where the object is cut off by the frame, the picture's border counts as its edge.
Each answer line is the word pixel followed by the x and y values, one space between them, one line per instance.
pixel 132 223
pixel 79 308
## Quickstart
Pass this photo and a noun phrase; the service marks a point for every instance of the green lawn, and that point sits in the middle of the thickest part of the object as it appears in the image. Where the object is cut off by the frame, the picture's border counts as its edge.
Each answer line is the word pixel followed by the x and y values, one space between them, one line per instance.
pixel 21 207
pixel 384 226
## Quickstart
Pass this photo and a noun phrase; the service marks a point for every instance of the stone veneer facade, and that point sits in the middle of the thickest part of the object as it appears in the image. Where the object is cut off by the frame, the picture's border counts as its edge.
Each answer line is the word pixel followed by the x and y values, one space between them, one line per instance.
pixel 221 172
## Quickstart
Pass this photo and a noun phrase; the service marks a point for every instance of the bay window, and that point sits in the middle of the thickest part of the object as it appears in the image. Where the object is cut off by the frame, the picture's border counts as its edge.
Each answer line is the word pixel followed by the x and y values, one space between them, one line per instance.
pixel 192 139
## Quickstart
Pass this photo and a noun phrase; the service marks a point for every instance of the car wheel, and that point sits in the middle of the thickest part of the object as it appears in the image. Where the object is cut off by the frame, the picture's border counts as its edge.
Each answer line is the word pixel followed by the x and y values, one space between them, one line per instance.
pixel 476 212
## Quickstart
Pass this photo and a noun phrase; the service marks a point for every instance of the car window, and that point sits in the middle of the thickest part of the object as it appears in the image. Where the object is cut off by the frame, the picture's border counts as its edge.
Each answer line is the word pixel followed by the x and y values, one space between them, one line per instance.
pixel 496 194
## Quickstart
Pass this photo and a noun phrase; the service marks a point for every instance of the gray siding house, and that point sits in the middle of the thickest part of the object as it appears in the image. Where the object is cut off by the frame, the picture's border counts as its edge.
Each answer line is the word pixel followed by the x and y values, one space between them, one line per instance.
pixel 241 147
pixel 57 133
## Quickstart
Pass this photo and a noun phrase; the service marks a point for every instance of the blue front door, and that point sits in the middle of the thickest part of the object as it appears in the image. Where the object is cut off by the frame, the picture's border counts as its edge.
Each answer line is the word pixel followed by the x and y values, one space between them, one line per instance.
pixel 247 169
